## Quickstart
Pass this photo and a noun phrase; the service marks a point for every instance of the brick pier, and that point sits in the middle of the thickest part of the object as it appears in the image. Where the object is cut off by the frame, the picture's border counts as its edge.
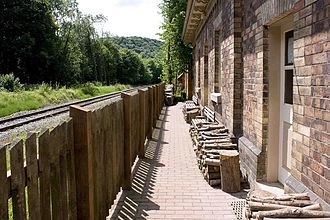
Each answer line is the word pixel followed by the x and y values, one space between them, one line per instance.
pixel 167 183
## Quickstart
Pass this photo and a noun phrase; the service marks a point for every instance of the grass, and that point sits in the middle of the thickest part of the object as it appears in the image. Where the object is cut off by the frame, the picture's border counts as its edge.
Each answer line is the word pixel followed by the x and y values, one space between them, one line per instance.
pixel 43 95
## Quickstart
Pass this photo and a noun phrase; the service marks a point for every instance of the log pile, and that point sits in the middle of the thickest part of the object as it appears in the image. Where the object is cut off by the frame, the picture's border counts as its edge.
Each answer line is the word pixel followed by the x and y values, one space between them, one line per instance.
pixel 214 147
pixel 190 111
pixel 262 204
pixel 169 97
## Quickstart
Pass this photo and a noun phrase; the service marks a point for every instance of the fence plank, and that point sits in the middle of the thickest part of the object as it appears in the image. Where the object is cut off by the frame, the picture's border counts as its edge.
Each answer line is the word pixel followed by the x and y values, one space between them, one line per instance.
pixel 135 126
pixel 83 153
pixel 119 143
pixel 55 185
pixel 63 171
pixel 3 184
pixel 110 155
pixel 71 172
pixel 142 97
pixel 17 180
pixel 32 176
pixel 97 128
pixel 44 176
pixel 127 184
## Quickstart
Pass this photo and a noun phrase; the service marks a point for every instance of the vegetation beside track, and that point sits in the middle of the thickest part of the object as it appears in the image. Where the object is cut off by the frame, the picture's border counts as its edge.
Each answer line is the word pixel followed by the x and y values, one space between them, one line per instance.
pixel 44 95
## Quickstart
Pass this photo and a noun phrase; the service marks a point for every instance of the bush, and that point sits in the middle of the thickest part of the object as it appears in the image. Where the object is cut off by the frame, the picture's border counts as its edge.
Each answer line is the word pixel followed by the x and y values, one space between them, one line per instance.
pixel 89 88
pixel 10 83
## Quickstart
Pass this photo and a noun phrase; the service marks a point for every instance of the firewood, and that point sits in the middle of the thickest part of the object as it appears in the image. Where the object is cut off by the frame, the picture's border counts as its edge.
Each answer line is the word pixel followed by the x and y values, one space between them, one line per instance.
pixel 292 212
pixel 258 206
pixel 212 162
pixel 298 203
pixel 215 182
pixel 286 197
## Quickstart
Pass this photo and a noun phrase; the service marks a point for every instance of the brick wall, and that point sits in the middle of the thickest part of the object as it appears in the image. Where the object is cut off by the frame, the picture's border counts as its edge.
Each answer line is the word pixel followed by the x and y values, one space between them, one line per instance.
pixel 256 15
pixel 242 28
pixel 311 123
pixel 221 19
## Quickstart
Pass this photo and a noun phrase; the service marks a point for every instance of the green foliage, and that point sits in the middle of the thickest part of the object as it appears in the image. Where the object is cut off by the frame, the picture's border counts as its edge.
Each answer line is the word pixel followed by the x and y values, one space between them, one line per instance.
pixel 10 83
pixel 89 89
pixel 52 41
pixel 45 94
pixel 176 56
pixel 146 47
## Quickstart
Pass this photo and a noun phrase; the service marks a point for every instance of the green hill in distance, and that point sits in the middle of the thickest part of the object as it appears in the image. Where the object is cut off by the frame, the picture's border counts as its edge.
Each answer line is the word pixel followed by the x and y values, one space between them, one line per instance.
pixel 146 47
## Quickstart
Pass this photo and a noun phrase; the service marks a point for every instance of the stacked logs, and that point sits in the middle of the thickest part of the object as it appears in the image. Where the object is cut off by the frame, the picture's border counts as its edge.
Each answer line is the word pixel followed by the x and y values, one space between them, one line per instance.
pixel 213 147
pixel 190 111
pixel 261 204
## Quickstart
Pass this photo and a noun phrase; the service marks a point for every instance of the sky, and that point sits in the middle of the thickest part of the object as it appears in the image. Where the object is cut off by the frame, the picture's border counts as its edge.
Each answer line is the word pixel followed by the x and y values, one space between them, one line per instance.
pixel 126 17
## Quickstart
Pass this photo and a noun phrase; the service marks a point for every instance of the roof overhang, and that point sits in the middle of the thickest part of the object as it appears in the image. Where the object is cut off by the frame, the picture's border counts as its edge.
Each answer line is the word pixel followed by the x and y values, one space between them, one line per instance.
pixel 196 13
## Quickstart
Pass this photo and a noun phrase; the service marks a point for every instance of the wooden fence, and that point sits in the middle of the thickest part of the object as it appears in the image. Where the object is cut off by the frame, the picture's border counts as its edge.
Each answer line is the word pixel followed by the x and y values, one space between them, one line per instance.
pixel 75 170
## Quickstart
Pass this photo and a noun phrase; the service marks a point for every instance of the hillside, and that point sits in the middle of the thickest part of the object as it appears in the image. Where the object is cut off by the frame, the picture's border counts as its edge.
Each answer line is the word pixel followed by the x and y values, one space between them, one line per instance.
pixel 145 46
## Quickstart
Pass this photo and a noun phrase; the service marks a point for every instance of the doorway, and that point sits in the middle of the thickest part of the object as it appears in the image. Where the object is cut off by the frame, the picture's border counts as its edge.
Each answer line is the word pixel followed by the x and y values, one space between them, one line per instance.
pixel 280 100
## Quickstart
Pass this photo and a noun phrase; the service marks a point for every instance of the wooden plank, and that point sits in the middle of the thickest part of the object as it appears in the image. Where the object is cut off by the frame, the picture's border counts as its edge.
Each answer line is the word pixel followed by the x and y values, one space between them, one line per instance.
pixel 149 114
pixel 63 172
pixel 135 141
pixel 83 154
pixel 127 181
pixel 120 142
pixel 55 184
pixel 142 97
pixel 3 184
pixel 17 180
pixel 109 153
pixel 32 177
pixel 44 175
pixel 71 172
pixel 97 127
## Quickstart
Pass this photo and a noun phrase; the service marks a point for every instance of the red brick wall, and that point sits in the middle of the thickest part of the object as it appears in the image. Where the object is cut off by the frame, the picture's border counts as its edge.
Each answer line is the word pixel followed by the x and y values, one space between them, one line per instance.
pixel 229 112
pixel 311 126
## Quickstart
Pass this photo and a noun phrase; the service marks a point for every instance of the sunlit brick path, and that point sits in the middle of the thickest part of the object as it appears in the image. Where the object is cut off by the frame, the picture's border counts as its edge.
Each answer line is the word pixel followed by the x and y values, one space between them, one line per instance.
pixel 167 184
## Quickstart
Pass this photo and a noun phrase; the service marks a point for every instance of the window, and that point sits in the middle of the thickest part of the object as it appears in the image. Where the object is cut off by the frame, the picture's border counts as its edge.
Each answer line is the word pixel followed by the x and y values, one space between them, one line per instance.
pixel 217 80
pixel 288 78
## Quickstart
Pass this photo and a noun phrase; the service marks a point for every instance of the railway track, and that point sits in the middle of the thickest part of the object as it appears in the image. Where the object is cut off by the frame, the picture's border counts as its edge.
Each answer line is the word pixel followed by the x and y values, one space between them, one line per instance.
pixel 10 122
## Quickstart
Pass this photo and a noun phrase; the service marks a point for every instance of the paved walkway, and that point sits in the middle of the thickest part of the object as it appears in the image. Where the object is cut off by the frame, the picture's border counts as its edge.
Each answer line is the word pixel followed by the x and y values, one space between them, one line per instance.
pixel 167 184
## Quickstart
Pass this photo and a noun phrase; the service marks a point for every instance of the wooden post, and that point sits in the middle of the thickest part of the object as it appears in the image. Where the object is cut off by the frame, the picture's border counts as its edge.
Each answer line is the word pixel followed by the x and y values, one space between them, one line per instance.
pixel 3 183
pixel 151 103
pixel 149 106
pixel 127 184
pixel 154 101
pixel 142 96
pixel 83 154
pixel 230 172
pixel 17 180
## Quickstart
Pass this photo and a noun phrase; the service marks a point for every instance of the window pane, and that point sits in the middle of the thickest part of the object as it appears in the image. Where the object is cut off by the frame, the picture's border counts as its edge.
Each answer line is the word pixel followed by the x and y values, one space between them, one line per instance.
pixel 289 48
pixel 288 90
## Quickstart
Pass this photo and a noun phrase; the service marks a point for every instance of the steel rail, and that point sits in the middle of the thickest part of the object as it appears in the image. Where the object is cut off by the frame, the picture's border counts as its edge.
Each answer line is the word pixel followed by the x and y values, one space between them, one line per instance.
pixel 56 110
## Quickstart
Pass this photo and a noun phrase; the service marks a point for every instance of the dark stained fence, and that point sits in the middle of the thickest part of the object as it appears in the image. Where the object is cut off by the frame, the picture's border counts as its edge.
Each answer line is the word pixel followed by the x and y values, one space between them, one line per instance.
pixel 75 170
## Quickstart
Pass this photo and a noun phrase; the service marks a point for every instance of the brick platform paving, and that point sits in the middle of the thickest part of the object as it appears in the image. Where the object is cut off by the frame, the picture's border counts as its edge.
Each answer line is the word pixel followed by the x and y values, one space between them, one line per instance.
pixel 167 183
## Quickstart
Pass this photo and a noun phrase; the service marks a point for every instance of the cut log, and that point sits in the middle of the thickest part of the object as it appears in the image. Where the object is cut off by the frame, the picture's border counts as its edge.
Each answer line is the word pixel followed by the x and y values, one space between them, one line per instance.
pixel 258 206
pixel 292 212
pixel 215 182
pixel 297 203
pixel 230 171
pixel 212 162
pixel 286 197
pixel 316 207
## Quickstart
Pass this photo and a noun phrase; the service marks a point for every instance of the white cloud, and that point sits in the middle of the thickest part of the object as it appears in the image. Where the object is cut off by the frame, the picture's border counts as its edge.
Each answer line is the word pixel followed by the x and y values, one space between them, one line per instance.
pixel 126 17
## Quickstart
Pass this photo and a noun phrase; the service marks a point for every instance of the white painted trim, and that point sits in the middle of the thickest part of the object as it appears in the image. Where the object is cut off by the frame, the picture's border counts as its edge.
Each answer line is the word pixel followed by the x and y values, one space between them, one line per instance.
pixel 286 110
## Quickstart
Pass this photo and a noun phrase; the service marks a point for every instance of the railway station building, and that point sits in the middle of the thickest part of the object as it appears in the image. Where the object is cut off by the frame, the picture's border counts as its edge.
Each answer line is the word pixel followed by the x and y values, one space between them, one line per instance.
pixel 263 67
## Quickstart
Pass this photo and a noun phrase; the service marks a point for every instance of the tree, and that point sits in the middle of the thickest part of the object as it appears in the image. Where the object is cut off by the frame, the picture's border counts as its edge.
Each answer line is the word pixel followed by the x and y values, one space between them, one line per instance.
pixel 176 56
pixel 27 40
